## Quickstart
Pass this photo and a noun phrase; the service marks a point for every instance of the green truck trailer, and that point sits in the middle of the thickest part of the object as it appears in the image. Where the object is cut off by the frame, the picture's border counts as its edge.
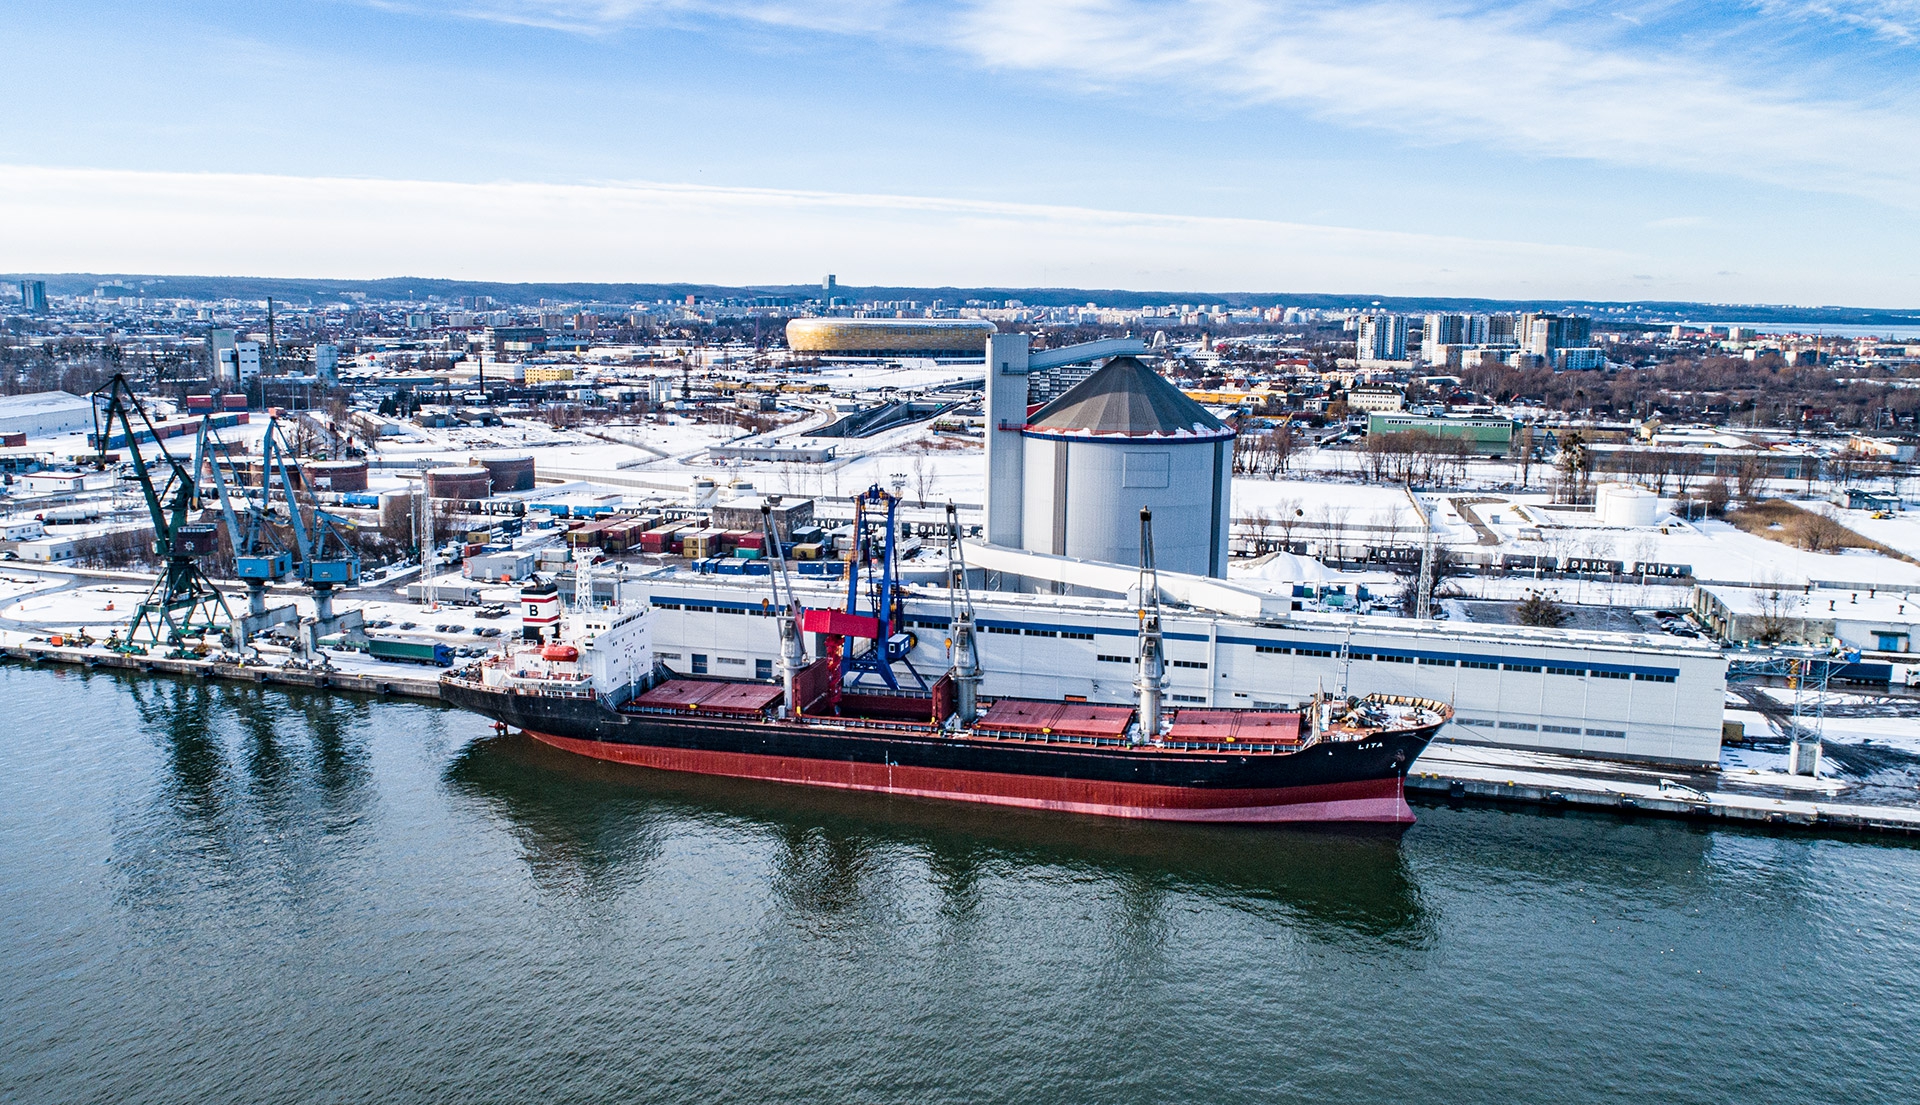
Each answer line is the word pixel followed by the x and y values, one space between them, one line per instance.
pixel 412 652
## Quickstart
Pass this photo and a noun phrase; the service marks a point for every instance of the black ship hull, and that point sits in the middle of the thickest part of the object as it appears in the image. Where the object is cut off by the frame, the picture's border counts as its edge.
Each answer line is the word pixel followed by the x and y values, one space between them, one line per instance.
pixel 1343 780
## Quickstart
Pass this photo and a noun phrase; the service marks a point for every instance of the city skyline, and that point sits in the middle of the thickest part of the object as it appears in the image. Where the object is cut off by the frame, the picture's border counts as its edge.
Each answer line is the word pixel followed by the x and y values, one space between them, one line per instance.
pixel 1743 153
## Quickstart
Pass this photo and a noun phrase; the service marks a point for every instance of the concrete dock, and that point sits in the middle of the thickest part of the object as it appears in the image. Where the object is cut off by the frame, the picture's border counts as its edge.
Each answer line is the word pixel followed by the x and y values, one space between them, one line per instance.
pixel 1471 772
pixel 408 685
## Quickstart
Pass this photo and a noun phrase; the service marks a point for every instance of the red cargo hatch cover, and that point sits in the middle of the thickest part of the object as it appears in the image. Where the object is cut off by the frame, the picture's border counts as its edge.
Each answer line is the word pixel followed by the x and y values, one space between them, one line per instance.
pixel 742 698
pixel 719 698
pixel 1239 725
pixel 1077 719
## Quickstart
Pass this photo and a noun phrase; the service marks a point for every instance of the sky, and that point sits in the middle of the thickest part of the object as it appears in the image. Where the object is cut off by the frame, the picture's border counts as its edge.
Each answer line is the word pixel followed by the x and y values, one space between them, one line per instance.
pixel 1759 152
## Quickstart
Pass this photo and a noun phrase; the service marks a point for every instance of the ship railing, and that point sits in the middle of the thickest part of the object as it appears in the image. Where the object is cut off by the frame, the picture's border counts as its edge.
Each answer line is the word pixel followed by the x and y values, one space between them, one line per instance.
pixel 1415 701
pixel 1122 742
pixel 538 692
pixel 921 727
pixel 1236 746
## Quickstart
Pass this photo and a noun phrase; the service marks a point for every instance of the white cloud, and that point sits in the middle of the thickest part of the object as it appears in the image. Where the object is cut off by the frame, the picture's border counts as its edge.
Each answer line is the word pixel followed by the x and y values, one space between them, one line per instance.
pixel 1529 76
pixel 122 221
pixel 594 17
pixel 1895 21
pixel 1522 78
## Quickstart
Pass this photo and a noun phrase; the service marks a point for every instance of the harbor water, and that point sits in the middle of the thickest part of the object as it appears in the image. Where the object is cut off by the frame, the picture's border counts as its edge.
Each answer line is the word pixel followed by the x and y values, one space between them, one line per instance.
pixel 238 894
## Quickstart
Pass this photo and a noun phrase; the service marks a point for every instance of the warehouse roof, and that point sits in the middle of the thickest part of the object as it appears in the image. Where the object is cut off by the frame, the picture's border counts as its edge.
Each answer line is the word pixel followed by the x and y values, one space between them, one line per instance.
pixel 1126 397
pixel 41 402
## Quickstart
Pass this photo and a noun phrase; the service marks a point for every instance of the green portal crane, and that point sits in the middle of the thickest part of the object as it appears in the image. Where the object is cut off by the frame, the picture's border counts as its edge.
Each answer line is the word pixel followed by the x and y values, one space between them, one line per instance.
pixel 182 604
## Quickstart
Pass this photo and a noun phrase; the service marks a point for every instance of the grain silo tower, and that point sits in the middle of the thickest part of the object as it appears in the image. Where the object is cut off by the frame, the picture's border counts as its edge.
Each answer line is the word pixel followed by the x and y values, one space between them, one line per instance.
pixel 1119 440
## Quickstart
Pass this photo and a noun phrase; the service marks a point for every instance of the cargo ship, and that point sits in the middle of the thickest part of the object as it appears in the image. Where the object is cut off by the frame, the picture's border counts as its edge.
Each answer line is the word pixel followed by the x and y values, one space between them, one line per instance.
pixel 857 717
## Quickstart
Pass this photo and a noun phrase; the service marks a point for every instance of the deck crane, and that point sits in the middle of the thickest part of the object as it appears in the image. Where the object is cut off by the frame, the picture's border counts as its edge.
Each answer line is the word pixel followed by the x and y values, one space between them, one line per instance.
pixel 182 605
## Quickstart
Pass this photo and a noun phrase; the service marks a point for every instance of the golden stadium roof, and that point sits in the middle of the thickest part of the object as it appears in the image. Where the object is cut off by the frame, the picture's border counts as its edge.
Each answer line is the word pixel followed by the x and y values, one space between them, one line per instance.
pixel 881 337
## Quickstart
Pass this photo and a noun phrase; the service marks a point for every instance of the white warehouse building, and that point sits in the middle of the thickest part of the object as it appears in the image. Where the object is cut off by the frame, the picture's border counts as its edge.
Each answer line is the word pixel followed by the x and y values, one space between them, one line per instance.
pixel 1616 695
pixel 45 413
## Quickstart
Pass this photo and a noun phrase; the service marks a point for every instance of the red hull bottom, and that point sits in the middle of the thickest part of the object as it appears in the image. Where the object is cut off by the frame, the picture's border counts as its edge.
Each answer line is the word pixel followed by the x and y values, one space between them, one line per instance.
pixel 1371 800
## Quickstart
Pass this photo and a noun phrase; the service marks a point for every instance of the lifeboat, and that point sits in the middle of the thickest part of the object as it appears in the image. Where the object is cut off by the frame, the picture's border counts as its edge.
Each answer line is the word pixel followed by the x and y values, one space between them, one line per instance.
pixel 560 653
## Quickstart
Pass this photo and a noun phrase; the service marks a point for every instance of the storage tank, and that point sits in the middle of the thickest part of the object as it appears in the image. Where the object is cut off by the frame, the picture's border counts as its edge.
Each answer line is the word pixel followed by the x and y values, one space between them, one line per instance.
pixel 1122 439
pixel 457 483
pixel 509 473
pixel 336 475
pixel 1618 504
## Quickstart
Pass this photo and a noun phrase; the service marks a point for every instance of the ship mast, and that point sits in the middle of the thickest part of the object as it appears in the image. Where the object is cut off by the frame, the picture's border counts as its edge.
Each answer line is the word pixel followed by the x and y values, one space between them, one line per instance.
pixel 1151 674
pixel 793 657
pixel 960 642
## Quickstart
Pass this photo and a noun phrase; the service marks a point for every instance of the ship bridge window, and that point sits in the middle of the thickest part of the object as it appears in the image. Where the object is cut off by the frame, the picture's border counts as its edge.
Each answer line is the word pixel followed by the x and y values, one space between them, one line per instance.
pixel 1390 658
pixel 1072 635
pixel 1188 698
pixel 1003 629
pixel 1651 678
pixel 1435 662
pixel 1041 632
pixel 1573 729
pixel 1566 671
pixel 666 606
pixel 1526 725
pixel 1617 734
pixel 1612 674
pixel 1114 659
pixel 1488 665
pixel 1359 655
pixel 1534 668
pixel 1313 651
pixel 1274 650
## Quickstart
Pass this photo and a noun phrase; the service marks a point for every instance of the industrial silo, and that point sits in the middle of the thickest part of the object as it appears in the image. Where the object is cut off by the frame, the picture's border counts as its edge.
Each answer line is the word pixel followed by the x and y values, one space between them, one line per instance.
pixel 457 483
pixel 1121 439
pixel 509 473
pixel 336 475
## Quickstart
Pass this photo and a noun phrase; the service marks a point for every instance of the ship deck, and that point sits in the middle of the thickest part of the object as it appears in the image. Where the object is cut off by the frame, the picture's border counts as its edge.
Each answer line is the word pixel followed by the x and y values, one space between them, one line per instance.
pixel 1025 721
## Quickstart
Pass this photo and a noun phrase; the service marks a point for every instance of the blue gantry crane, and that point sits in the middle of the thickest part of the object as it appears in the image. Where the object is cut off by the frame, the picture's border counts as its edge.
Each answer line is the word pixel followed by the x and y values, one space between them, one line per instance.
pixel 318 554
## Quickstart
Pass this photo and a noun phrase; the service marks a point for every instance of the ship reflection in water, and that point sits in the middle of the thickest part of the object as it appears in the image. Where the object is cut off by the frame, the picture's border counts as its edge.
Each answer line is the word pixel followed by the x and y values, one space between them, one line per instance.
pixel 835 856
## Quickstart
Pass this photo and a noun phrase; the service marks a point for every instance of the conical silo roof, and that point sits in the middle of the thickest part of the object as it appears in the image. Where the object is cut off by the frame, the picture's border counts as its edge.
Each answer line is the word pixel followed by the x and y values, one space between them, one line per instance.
pixel 1127 398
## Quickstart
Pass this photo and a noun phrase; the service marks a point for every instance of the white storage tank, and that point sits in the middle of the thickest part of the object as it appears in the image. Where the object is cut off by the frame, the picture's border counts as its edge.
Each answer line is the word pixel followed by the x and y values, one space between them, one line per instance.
pixel 1618 504
pixel 1122 439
